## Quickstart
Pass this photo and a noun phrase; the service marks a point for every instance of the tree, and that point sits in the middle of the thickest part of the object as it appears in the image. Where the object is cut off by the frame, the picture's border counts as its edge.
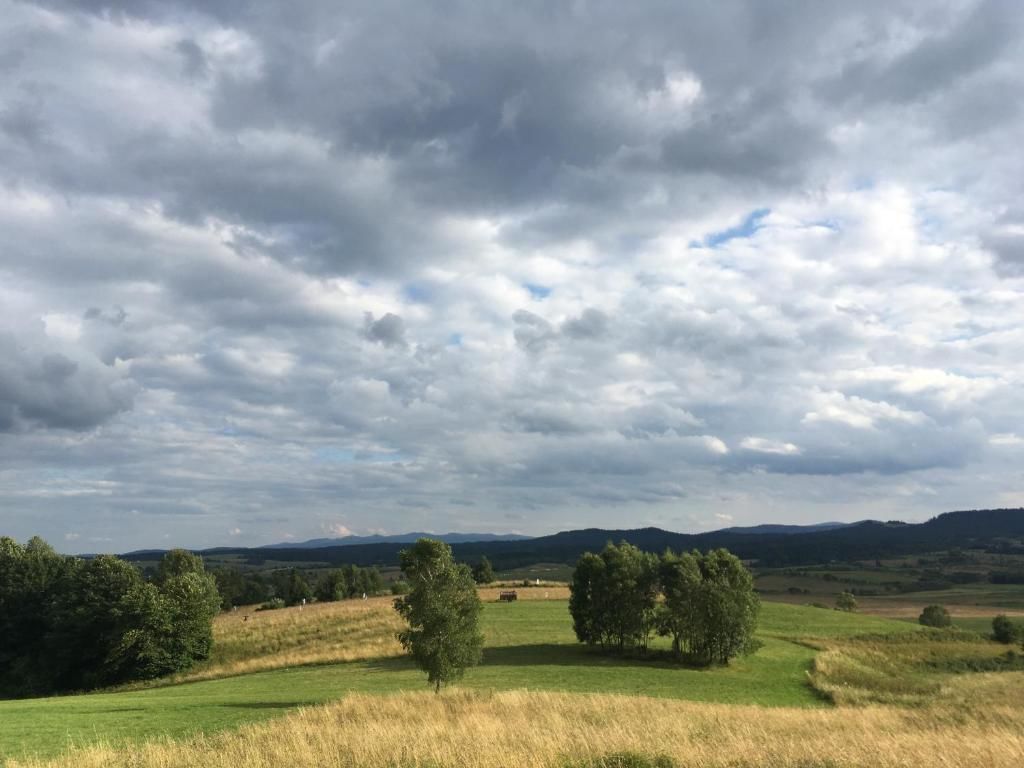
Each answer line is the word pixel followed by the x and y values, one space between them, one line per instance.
pixel 728 607
pixel 98 622
pixel 612 597
pixel 710 608
pixel 588 601
pixel 680 615
pixel 1004 630
pixel 332 586
pixel 442 610
pixel 935 616
pixel 845 601
pixel 191 601
pixel 483 572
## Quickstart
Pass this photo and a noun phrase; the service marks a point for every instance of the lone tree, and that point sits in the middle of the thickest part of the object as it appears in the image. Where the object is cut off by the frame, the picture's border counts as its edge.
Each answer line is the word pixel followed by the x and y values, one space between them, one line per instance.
pixel 845 601
pixel 443 612
pixel 483 573
pixel 935 616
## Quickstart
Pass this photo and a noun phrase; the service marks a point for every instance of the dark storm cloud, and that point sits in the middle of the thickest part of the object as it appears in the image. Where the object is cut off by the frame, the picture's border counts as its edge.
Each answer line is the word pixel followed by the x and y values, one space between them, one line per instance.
pixel 49 390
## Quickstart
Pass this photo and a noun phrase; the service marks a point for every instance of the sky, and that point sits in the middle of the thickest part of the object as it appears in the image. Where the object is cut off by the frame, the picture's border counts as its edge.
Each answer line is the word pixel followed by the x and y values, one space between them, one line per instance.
pixel 276 271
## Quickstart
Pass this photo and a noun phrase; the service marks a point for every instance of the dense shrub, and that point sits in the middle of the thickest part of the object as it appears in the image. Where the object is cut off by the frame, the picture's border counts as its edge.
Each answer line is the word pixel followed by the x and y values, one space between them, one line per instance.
pixel 1004 630
pixel 845 601
pixel 71 624
pixel 935 616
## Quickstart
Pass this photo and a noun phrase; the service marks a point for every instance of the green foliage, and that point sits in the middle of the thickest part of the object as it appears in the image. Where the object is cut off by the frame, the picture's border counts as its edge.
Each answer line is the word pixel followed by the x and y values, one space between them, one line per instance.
pixel 240 588
pixel 710 607
pixel 348 582
pixel 190 601
pixel 612 597
pixel 483 573
pixel 1004 630
pixel 442 610
pixel 273 604
pixel 69 624
pixel 845 601
pixel 935 616
pixel 400 587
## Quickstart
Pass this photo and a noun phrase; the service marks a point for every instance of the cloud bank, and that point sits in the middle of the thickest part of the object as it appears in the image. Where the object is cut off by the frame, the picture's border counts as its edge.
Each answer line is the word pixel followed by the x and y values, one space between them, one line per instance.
pixel 274 270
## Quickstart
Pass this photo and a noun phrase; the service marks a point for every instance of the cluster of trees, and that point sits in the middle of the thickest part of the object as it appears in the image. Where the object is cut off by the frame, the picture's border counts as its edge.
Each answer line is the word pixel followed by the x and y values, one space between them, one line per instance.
pixel 709 608
pixel 291 586
pixel 348 582
pixel 442 611
pixel 72 624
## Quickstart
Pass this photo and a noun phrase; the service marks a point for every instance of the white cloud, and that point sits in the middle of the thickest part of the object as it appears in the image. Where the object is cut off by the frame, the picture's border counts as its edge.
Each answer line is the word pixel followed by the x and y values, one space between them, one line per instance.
pixel 629 265
pixel 764 445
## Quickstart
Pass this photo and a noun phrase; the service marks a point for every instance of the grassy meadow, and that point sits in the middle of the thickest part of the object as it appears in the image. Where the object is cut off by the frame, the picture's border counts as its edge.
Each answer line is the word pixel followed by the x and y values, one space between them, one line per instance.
pixel 347 695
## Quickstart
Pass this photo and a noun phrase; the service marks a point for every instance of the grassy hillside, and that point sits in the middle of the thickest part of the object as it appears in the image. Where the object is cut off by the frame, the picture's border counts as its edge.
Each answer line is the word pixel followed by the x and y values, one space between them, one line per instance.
pixel 530 645
pixel 480 729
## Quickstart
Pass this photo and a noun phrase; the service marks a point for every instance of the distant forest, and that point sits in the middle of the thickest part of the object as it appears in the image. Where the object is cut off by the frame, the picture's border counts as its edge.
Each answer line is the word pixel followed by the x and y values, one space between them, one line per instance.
pixel 998 530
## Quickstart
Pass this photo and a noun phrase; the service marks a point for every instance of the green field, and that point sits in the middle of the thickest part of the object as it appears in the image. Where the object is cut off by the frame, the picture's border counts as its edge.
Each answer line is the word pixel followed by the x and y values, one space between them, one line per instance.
pixel 530 645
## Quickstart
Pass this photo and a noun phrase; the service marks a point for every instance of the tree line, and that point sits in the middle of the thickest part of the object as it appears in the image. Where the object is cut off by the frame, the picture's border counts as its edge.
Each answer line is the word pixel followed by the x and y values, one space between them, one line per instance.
pixel 705 603
pixel 69 624
pixel 292 586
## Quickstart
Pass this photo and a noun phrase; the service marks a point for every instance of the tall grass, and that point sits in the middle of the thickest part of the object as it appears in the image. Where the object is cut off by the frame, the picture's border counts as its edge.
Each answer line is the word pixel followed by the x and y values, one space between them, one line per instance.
pixel 911 669
pixel 534 730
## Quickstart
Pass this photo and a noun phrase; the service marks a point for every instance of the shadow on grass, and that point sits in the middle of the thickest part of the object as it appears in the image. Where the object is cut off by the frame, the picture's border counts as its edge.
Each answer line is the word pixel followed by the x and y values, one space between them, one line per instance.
pixel 549 654
pixel 270 704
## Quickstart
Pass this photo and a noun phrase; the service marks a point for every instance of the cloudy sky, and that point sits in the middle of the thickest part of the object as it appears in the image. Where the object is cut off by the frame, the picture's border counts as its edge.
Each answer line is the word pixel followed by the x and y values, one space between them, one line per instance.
pixel 275 270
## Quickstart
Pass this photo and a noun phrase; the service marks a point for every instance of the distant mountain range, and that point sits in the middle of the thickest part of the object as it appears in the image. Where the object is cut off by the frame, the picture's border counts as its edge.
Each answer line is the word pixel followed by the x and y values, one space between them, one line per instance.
pixel 997 529
pixel 400 538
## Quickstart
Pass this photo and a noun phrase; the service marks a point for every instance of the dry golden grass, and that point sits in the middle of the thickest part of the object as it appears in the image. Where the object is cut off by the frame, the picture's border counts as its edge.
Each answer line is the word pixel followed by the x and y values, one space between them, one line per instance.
pixel 248 640
pixel 550 591
pixel 321 633
pixel 482 730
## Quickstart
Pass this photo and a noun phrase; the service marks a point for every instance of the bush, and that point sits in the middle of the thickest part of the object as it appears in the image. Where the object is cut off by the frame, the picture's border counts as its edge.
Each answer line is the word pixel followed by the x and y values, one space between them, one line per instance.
pixel 935 616
pixel 1004 630
pixel 400 587
pixel 272 604
pixel 845 601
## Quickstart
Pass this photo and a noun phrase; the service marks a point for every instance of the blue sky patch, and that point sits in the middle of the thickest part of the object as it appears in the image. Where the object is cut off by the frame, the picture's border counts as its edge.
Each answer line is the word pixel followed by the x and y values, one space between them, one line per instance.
pixel 746 228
